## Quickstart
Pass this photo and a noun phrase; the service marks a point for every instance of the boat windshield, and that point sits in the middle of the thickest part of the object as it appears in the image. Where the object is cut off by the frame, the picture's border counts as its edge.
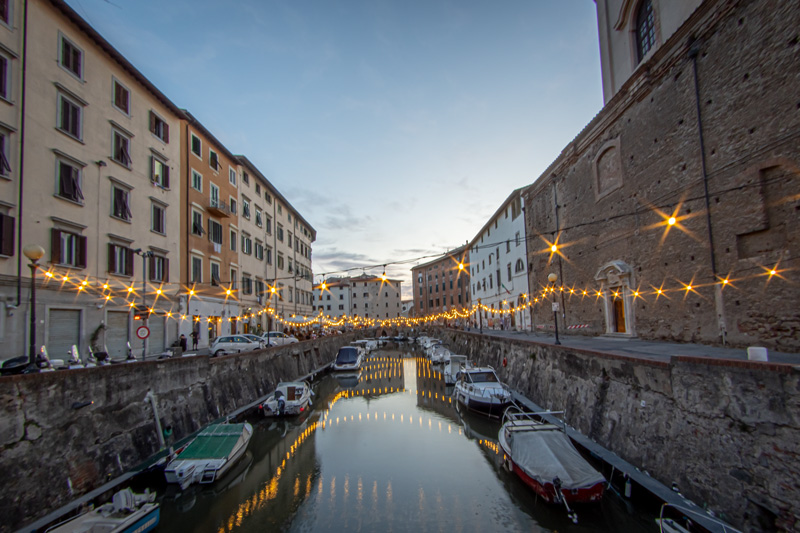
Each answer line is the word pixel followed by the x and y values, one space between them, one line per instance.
pixel 483 377
pixel 347 356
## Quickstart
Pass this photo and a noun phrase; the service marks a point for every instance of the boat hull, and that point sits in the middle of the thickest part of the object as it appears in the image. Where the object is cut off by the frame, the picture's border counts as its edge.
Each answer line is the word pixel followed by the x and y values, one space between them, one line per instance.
pixel 547 490
pixel 494 407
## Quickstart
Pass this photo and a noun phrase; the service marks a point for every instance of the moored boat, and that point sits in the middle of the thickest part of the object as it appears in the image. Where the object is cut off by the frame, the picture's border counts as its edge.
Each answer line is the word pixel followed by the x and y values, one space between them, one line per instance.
pixel 544 458
pixel 212 453
pixel 127 512
pixel 479 389
pixel 348 358
pixel 452 367
pixel 289 399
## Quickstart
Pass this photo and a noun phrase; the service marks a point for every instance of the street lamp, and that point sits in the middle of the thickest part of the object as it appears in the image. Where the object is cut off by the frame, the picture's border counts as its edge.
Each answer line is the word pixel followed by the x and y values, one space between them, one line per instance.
pixel 552 277
pixel 145 313
pixel 34 252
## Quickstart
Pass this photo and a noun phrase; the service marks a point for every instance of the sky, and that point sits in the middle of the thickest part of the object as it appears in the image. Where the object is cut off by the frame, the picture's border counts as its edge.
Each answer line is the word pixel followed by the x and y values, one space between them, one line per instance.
pixel 396 128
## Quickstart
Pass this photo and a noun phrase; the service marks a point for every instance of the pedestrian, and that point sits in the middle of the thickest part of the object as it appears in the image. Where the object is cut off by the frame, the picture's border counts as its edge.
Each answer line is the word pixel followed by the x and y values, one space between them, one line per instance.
pixel 194 339
pixel 182 341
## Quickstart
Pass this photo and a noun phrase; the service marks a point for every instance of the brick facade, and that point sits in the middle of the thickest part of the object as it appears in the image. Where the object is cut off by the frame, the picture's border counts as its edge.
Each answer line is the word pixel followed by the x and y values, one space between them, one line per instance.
pixel 609 195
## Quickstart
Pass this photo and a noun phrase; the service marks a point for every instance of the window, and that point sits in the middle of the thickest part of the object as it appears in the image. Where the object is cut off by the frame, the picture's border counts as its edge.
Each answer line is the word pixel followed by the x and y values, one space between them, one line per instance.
pixel 121 97
pixel 280 232
pixel 234 277
pixel 70 116
pixel 71 57
pixel 246 208
pixel 490 281
pixel 214 195
pixel 517 239
pixel 215 274
pixel 158 218
pixel 234 238
pixel 120 260
pixel 259 251
pixel 247 285
pixel 280 209
pixel 120 197
pixel 519 267
pixel 280 261
pixel 233 206
pixel 258 187
pixel 508 246
pixel 197 270
pixel 259 287
pixel 246 179
pixel 509 272
pixel 197 181
pixel 247 244
pixel 121 145
pixel 197 146
pixel 213 160
pixel 159 268
pixel 645 29
pixel 268 197
pixel 6 235
pixel 214 231
pixel 289 238
pixel 259 217
pixel 5 11
pixel 197 223
pixel 232 176
pixel 68 248
pixel 269 255
pixel 160 128
pixel 69 181
pixel 291 269
pixel 4 74
pixel 159 172
pixel 269 225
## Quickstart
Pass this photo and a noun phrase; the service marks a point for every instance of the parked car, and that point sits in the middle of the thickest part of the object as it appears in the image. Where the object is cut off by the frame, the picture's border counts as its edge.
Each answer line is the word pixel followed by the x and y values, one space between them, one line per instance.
pixel 234 344
pixel 279 338
pixel 258 339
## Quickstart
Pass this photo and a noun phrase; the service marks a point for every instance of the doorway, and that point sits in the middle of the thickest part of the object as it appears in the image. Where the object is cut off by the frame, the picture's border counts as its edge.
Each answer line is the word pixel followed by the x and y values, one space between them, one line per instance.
pixel 619 315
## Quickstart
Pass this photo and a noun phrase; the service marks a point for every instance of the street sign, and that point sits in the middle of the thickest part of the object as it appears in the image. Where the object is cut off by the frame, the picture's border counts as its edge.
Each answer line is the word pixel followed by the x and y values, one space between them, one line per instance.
pixel 555 307
pixel 142 332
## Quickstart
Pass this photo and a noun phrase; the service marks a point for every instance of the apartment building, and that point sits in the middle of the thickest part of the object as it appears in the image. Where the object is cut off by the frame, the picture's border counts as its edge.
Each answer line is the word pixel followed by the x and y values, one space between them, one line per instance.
pixel 498 268
pixel 284 263
pixel 86 166
pixel 364 296
pixel 210 234
pixel 442 284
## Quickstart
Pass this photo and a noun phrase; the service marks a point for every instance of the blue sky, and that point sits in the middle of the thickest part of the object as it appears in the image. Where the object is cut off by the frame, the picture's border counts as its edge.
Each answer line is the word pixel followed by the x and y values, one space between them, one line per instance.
pixel 396 128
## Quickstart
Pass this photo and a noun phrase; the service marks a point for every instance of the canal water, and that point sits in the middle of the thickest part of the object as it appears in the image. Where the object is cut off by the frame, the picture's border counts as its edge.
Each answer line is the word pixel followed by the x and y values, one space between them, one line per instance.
pixel 382 450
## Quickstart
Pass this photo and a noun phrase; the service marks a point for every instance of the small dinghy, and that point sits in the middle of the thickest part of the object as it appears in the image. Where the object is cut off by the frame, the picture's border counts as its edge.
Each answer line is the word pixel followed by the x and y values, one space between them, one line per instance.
pixel 289 399
pixel 126 512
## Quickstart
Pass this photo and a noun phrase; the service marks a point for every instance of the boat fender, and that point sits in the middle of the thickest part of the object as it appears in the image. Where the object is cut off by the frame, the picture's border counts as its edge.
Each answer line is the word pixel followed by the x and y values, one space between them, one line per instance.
pixel 507 464
pixel 627 486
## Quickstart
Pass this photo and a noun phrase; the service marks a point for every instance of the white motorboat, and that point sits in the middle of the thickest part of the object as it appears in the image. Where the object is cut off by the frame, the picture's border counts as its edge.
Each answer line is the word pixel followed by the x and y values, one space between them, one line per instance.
pixel 127 512
pixel 348 358
pixel 543 456
pixel 479 389
pixel 453 366
pixel 438 354
pixel 212 453
pixel 369 345
pixel 289 399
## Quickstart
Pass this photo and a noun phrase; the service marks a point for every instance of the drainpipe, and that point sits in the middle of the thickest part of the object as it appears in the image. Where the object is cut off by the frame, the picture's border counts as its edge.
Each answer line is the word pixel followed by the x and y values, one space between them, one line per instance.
pixel 527 264
pixel 694 51
pixel 153 403
pixel 22 153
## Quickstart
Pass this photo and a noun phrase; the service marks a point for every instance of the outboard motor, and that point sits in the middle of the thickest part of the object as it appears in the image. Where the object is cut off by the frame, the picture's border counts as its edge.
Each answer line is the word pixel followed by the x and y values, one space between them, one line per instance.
pixel 45 364
pixel 281 402
pixel 74 360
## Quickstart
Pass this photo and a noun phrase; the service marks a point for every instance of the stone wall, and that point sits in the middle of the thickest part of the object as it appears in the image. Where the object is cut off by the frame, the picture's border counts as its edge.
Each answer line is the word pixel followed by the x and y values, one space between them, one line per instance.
pixel 727 432
pixel 607 198
pixel 54 450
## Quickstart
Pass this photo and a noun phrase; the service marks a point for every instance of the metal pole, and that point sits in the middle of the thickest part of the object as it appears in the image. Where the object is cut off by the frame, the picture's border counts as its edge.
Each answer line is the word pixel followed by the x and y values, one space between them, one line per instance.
pixel 555 313
pixel 32 351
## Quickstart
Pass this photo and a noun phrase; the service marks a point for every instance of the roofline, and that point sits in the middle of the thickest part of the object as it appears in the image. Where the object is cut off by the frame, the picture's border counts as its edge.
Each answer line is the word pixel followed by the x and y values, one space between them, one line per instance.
pixel 85 27
pixel 449 253
pixel 243 160
pixel 199 125
pixel 515 192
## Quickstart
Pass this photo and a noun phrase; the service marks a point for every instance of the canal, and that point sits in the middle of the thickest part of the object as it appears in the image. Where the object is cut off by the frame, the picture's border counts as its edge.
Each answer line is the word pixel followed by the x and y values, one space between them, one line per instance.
pixel 383 450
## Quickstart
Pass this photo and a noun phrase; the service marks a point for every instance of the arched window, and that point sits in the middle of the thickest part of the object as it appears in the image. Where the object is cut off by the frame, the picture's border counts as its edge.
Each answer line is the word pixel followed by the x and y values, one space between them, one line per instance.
pixel 520 266
pixel 645 28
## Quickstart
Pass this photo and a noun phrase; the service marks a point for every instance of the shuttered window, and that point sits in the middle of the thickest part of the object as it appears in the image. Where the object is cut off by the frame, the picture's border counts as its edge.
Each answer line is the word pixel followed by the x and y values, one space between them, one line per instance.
pixel 120 260
pixel 159 128
pixel 67 248
pixel 6 235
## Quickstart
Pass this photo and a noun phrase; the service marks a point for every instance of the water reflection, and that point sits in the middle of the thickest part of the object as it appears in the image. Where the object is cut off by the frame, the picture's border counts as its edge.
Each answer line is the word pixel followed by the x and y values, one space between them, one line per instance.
pixel 384 449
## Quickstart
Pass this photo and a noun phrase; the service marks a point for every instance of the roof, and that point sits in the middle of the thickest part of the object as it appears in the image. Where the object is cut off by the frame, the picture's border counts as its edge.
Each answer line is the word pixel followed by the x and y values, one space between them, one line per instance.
pixel 449 253
pixel 199 125
pixel 514 193
pixel 214 442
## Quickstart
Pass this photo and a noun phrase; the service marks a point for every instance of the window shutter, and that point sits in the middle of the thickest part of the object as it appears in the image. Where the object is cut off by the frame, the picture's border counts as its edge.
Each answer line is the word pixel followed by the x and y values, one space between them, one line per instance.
pixel 55 246
pixel 152 168
pixel 166 132
pixel 151 266
pixel 210 230
pixel 76 186
pixel 166 176
pixel 166 270
pixel 152 122
pixel 129 261
pixel 81 251
pixel 112 258
pixel 6 235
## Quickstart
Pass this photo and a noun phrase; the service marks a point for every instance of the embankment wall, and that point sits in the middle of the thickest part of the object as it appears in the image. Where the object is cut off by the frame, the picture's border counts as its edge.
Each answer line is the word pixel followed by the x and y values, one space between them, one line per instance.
pixel 54 450
pixel 726 431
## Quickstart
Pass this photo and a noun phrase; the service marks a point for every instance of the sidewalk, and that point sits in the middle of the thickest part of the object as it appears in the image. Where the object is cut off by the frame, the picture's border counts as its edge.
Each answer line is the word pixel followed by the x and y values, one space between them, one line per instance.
pixel 654 350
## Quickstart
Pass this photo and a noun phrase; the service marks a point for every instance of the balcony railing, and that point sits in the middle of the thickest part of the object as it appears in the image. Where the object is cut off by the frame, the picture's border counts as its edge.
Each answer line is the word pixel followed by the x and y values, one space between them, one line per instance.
pixel 219 208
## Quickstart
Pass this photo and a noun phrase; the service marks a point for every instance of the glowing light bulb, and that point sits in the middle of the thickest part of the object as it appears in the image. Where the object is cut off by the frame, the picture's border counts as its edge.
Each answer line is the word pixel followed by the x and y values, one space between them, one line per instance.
pixel 130 289
pixel 228 292
pixel 158 291
pixel 773 272
pixel 725 281
pixel 671 221
pixel 554 248
pixel 105 286
pixel 48 274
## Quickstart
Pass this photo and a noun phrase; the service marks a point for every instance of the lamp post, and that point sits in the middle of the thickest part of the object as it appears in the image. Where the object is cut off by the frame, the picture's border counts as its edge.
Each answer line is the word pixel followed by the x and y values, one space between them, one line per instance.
pixel 480 316
pixel 34 252
pixel 145 256
pixel 552 277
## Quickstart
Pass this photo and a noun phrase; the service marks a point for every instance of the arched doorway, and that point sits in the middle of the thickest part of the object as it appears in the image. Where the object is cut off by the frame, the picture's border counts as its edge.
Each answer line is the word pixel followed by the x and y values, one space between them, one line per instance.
pixel 616 280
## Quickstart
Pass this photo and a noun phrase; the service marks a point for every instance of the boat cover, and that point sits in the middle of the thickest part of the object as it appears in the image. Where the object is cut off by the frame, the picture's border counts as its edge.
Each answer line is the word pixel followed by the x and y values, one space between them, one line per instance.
pixel 545 455
pixel 214 442
pixel 347 356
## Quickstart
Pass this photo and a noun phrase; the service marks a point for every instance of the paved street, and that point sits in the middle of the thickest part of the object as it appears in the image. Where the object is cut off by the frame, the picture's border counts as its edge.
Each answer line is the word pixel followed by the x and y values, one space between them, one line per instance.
pixel 661 351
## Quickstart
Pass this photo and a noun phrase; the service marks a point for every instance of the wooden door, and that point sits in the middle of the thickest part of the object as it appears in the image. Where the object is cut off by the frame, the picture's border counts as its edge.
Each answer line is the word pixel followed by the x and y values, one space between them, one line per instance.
pixel 619 315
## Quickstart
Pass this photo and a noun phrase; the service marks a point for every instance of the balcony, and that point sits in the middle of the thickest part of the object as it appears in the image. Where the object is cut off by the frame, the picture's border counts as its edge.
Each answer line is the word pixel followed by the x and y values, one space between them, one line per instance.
pixel 219 208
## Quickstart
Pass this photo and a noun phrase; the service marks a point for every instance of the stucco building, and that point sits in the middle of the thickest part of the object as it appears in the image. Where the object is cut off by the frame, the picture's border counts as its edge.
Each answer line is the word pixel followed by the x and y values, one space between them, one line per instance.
pixel 364 296
pixel 442 284
pixel 88 172
pixel 675 209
